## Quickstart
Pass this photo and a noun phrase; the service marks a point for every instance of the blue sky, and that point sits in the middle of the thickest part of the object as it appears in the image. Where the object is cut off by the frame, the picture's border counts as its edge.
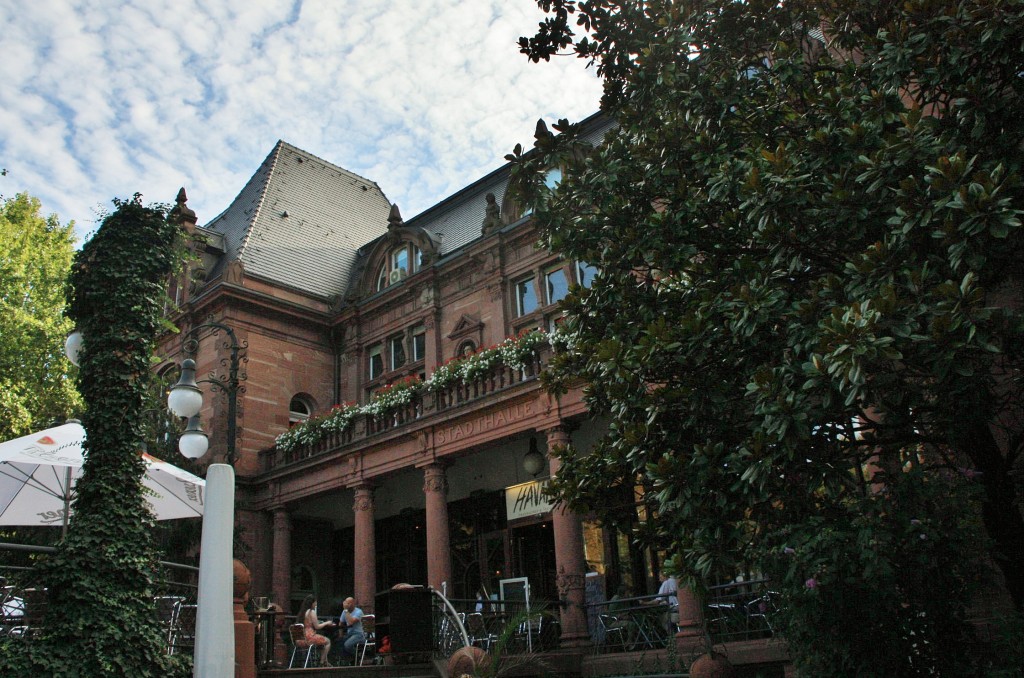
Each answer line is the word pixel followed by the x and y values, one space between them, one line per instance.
pixel 101 98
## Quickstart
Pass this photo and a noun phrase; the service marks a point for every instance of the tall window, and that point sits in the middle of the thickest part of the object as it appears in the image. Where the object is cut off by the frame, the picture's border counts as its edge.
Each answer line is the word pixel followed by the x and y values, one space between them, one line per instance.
pixel 526 297
pixel 397 346
pixel 556 285
pixel 419 343
pixel 376 361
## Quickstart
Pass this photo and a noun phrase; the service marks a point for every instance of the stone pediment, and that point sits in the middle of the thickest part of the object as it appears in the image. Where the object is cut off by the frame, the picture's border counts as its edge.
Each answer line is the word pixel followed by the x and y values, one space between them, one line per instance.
pixel 466 325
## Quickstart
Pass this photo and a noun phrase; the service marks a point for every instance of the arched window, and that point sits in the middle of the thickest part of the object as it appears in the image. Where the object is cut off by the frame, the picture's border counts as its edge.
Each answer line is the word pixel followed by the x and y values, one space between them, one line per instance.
pixel 299 410
pixel 401 262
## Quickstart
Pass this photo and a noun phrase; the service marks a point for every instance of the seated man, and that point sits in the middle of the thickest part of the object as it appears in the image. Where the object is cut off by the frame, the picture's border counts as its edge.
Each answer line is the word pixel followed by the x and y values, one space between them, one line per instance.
pixel 351 623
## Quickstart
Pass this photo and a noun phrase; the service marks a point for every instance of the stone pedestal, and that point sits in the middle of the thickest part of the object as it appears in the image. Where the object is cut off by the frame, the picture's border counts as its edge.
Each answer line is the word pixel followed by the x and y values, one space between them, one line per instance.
pixel 245 632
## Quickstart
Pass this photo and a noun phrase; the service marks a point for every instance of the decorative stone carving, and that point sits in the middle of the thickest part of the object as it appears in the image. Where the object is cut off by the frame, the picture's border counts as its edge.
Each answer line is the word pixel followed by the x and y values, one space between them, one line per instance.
pixel 492 215
pixel 364 499
pixel 568 582
pixel 181 213
pixel 234 272
pixel 435 480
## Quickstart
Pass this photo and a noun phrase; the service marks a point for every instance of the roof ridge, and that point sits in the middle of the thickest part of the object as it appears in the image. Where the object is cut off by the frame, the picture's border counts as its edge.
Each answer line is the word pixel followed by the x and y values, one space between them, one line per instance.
pixel 275 153
pixel 330 164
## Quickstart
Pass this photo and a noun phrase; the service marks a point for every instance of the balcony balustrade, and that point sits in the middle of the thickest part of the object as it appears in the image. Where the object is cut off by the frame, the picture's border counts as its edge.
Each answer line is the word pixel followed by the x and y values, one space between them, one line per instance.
pixel 423 407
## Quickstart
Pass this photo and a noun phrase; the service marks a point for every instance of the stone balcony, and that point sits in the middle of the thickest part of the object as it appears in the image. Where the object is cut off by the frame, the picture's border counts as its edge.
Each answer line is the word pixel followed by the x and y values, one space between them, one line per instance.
pixel 425 408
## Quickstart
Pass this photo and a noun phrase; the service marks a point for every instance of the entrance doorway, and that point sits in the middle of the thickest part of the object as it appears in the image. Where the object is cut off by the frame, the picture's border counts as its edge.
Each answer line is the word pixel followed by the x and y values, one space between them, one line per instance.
pixel 533 556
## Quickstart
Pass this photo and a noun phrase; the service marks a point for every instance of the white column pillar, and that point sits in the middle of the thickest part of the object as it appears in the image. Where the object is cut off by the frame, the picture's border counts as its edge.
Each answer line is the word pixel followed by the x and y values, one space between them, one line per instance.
pixel 215 626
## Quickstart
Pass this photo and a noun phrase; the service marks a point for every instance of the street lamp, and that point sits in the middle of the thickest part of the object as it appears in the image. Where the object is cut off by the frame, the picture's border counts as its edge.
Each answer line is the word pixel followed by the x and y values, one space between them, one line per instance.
pixel 215 630
pixel 185 398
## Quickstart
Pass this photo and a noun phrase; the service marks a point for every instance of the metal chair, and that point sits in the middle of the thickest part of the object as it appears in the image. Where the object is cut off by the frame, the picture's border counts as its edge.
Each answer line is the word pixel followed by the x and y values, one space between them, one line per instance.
pixel 183 628
pixel 35 603
pixel 165 606
pixel 369 636
pixel 478 632
pixel 297 633
pixel 613 627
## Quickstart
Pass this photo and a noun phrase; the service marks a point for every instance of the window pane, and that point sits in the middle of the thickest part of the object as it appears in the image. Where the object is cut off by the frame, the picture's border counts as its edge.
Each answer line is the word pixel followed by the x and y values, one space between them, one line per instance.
pixel 397 352
pixel 376 362
pixel 417 258
pixel 400 259
pixel 382 278
pixel 553 178
pixel 585 273
pixel 526 298
pixel 557 285
pixel 419 343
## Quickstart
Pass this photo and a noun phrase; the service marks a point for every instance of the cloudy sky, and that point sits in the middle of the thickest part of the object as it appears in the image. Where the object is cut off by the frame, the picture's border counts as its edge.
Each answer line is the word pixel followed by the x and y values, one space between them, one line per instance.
pixel 102 98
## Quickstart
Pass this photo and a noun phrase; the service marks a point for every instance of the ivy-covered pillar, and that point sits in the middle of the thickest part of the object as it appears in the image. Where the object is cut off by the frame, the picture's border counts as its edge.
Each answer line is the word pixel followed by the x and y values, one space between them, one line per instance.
pixel 101 579
pixel 569 560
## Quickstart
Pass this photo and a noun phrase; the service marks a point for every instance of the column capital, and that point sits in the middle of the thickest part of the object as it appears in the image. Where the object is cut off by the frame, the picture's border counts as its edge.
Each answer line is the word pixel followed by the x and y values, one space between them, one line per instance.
pixel 364 497
pixel 435 479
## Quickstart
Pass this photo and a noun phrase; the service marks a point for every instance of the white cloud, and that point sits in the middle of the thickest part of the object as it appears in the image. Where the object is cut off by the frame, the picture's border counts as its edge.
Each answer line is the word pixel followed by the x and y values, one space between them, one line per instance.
pixel 102 99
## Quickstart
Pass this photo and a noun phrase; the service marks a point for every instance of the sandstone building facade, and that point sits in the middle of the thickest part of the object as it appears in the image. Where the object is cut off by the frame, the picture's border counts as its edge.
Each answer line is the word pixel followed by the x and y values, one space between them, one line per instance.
pixel 334 299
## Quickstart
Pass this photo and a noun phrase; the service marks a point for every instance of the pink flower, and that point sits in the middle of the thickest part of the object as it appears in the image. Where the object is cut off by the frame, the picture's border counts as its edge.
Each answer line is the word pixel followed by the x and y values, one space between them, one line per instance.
pixel 811 583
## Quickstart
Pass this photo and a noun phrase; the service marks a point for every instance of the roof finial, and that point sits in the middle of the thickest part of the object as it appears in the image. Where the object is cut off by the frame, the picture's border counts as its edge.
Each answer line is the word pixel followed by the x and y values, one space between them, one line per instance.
pixel 181 214
pixel 394 218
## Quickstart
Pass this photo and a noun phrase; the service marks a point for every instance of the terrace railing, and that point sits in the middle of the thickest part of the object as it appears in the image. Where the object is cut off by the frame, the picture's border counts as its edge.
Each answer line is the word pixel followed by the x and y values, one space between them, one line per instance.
pixel 423 405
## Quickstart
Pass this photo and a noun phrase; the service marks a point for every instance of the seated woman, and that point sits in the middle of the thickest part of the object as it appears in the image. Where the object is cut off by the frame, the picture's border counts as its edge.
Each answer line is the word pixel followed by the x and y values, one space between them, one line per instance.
pixel 307 617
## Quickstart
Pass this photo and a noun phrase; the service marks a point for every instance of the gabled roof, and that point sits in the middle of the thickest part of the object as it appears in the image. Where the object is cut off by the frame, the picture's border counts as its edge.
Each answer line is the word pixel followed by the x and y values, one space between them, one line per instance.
pixel 299 221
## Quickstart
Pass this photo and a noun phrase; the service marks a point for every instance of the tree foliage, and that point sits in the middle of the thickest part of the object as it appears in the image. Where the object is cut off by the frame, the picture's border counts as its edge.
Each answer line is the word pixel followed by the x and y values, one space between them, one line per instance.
pixel 100 581
pixel 807 329
pixel 35 257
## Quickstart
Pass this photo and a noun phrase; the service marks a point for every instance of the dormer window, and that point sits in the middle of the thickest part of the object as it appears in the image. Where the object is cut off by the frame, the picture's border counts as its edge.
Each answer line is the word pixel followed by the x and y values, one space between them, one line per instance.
pixel 402 261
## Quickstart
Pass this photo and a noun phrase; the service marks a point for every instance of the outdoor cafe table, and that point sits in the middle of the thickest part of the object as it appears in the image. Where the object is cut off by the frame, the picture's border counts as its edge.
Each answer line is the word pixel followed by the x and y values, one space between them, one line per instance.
pixel 646 630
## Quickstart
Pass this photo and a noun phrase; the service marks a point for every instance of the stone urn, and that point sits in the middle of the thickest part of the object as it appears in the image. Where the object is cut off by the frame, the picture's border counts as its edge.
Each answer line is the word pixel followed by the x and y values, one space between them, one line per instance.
pixel 711 665
pixel 242 580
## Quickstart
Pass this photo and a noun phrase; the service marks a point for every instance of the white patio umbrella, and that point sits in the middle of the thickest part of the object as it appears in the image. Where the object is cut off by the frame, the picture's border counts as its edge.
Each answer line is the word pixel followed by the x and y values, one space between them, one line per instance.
pixel 38 472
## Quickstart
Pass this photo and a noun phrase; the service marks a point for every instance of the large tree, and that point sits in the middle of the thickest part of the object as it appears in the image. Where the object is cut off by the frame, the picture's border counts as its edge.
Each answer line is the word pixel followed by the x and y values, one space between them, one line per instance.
pixel 807 332
pixel 35 257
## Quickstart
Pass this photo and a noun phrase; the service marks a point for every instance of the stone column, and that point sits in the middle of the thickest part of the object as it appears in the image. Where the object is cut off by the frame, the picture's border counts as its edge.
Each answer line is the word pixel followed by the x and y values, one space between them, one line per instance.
pixel 365 548
pixel 439 561
pixel 282 560
pixel 569 560
pixel 281 577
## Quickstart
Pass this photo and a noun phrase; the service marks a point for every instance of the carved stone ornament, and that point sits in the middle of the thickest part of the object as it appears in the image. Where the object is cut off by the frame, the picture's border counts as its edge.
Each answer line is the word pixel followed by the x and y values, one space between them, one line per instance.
pixel 567 583
pixel 492 215
pixel 234 272
pixel 435 483
pixel 364 499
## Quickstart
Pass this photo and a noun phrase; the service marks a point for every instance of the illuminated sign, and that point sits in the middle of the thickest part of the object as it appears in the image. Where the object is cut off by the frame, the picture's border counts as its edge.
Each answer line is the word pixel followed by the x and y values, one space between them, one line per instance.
pixel 527 499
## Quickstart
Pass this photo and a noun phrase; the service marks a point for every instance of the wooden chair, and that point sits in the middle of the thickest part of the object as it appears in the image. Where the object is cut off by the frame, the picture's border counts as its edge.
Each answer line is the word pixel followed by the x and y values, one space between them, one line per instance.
pixel 297 633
